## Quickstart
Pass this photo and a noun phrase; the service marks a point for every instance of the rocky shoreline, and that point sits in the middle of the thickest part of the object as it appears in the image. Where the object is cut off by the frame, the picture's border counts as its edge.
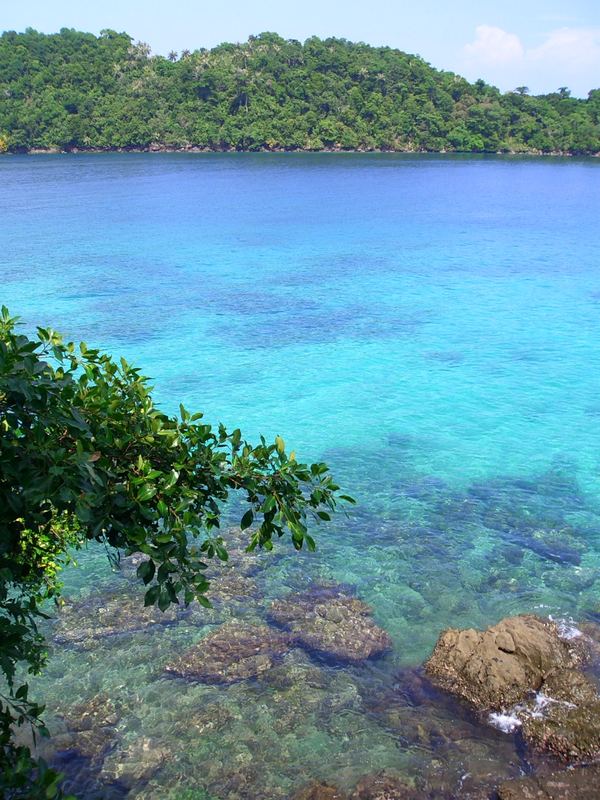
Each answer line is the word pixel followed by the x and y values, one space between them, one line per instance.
pixel 525 673
pixel 163 148
pixel 528 674
pixel 532 678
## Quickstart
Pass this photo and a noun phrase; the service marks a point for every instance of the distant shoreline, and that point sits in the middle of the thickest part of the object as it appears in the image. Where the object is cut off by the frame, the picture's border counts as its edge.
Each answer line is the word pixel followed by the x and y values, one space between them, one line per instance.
pixel 77 92
pixel 156 148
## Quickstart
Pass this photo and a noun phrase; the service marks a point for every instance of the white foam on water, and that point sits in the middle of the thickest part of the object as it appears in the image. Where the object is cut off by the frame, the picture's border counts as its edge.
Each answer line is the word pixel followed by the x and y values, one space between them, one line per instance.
pixel 507 723
pixel 566 631
pixel 566 628
pixel 542 701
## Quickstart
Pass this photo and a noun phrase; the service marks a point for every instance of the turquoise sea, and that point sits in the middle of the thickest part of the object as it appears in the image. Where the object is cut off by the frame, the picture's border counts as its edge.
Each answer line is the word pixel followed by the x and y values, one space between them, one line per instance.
pixel 430 326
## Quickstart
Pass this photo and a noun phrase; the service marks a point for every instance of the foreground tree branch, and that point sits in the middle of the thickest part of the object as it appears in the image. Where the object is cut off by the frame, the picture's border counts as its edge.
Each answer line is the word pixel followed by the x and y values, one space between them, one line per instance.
pixel 85 455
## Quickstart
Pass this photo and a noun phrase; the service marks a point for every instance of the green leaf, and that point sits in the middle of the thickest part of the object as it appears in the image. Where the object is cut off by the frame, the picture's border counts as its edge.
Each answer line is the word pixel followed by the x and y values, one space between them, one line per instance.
pixel 268 505
pixel 146 492
pixel 247 519
pixel 21 693
pixel 348 499
pixel 164 571
pixel 222 553
pixel 146 570
pixel 151 596
pixel 162 508
pixel 164 601
pixel 172 480
pixel 188 596
pixel 201 583
pixel 297 535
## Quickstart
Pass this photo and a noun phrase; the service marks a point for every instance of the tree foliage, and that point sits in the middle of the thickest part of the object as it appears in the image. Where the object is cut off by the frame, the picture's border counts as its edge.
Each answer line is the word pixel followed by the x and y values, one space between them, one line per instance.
pixel 75 90
pixel 85 455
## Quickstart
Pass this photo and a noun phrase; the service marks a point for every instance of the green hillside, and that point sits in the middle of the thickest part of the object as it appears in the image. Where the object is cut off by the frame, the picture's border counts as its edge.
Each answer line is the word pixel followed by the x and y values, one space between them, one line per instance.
pixel 75 90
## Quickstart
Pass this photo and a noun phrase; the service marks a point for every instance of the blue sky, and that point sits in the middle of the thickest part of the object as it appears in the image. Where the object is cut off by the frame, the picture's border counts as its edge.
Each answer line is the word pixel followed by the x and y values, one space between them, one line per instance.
pixel 542 44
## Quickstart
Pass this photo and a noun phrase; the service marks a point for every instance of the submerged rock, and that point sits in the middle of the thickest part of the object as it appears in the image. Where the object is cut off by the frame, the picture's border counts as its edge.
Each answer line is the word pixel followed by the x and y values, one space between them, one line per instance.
pixel 229 594
pixel 384 786
pixel 581 783
pixel 496 668
pixel 332 623
pixel 234 652
pixel 91 727
pixel 83 622
pixel 211 717
pixel 239 562
pixel 136 762
pixel 319 791
pixel 298 670
pixel 232 583
pixel 511 553
pixel 98 712
pixel 242 781
pixel 556 544
pixel 530 515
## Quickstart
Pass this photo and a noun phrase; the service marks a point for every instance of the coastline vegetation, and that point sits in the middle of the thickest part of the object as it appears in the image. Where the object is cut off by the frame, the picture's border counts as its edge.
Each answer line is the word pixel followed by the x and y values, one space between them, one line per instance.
pixel 86 456
pixel 77 91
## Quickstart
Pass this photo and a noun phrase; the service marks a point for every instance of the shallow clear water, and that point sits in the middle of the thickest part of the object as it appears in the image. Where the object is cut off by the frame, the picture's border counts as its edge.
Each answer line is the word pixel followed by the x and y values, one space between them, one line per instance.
pixel 430 326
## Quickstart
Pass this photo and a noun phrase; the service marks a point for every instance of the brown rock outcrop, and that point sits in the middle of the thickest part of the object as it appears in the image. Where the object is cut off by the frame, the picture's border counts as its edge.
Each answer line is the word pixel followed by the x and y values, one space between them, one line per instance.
pixel 525 670
pixel 565 718
pixel 496 668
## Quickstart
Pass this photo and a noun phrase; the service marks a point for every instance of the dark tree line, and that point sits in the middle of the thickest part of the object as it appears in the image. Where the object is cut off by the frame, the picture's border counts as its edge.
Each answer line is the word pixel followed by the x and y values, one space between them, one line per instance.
pixel 76 90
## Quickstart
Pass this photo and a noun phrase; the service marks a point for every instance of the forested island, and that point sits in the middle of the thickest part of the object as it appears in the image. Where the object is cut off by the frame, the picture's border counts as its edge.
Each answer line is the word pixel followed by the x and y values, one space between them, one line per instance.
pixel 77 91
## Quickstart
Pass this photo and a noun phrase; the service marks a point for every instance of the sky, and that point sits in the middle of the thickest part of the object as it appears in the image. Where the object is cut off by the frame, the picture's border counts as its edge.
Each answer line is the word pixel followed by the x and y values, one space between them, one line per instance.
pixel 541 44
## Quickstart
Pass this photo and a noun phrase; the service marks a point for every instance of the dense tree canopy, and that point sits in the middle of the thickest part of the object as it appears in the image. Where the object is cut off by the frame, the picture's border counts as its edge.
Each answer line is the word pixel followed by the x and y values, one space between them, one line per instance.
pixel 75 90
pixel 86 456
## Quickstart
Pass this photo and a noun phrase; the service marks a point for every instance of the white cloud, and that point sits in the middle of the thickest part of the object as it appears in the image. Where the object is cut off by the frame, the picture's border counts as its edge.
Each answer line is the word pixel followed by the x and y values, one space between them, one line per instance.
pixel 569 45
pixel 566 56
pixel 494 45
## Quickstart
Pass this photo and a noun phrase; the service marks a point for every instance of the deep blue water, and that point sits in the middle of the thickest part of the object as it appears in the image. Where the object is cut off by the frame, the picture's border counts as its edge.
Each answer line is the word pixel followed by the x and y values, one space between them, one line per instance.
pixel 427 324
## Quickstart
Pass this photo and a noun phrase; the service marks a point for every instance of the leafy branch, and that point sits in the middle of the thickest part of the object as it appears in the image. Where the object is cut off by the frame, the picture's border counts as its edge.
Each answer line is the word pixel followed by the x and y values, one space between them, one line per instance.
pixel 85 455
